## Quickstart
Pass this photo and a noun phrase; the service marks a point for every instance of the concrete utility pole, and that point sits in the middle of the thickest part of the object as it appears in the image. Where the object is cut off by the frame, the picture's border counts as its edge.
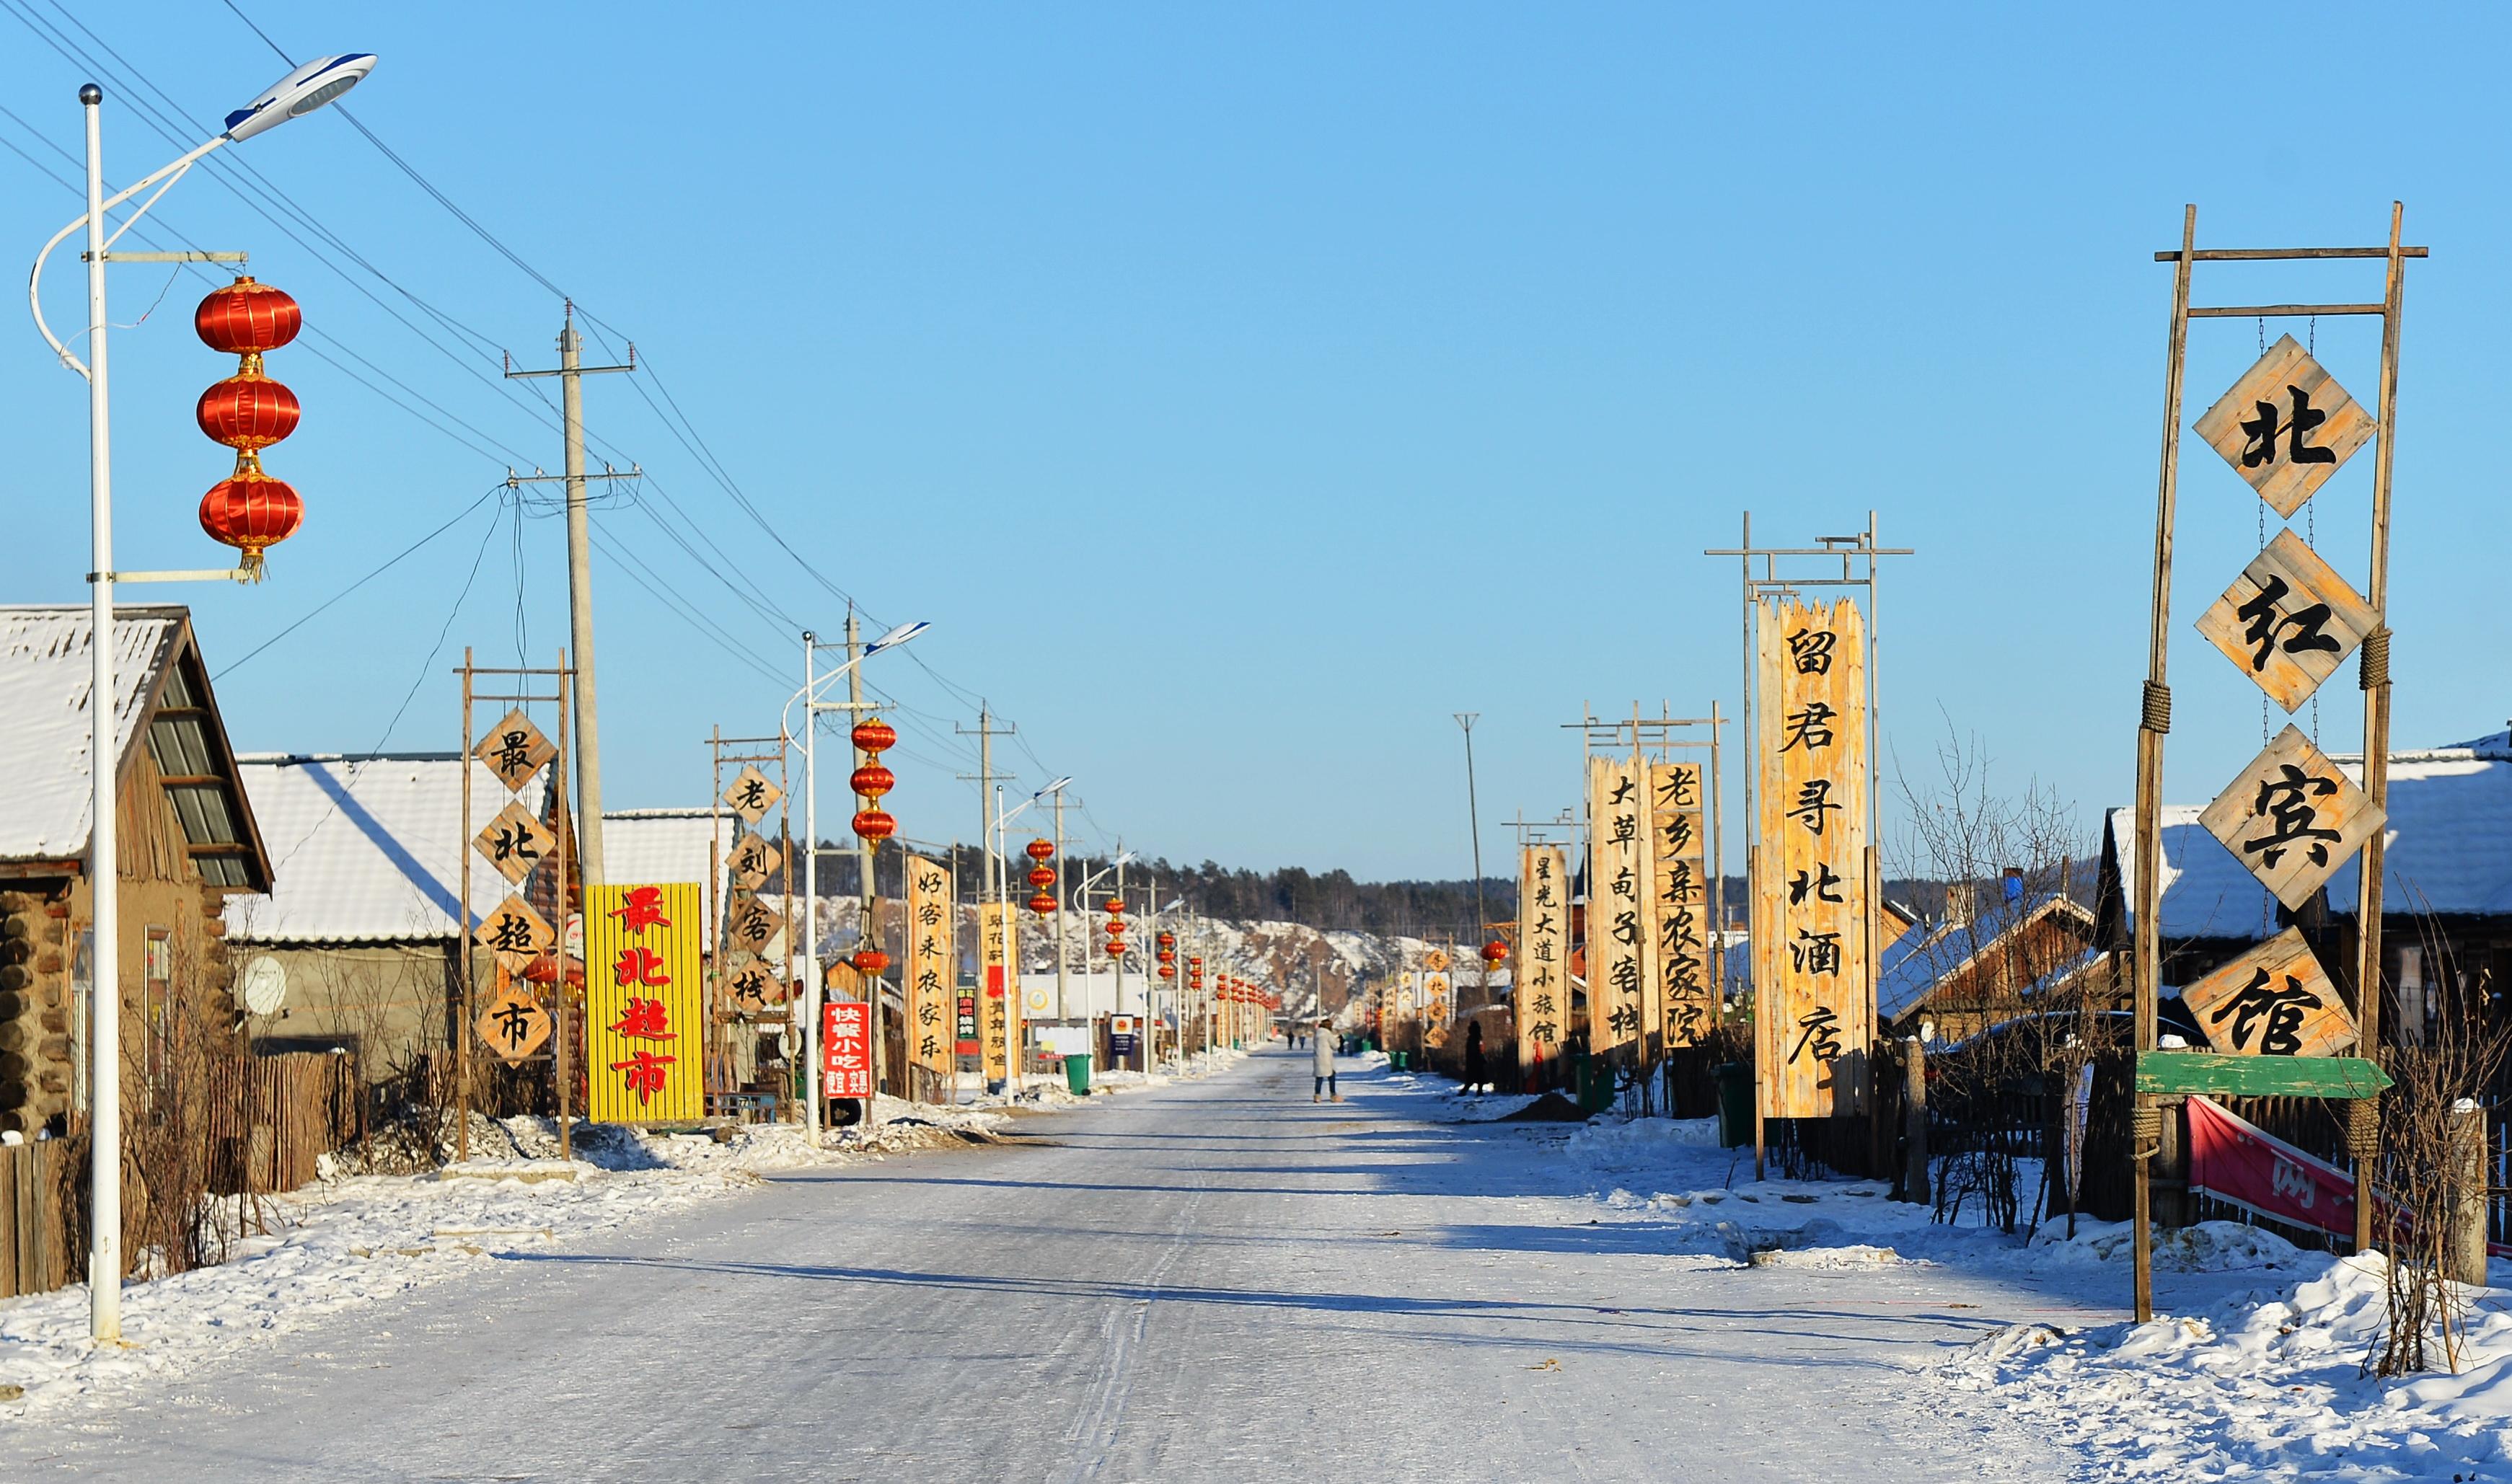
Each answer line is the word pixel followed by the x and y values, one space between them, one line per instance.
pixel 988 814
pixel 864 859
pixel 1474 826
pixel 579 583
pixel 1062 944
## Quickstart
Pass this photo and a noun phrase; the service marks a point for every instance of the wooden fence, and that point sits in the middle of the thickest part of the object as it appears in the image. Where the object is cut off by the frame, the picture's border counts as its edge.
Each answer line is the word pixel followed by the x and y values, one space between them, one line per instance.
pixel 35 1244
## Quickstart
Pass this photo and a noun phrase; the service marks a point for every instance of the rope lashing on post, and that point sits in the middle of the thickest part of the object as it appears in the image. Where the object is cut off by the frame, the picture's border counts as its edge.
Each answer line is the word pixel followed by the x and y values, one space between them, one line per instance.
pixel 2157 713
pixel 2363 1129
pixel 2375 669
pixel 2145 1131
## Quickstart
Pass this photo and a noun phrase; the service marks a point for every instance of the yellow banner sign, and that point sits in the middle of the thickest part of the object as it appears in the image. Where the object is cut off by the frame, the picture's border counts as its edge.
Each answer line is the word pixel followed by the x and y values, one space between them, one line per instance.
pixel 1813 1000
pixel 932 959
pixel 1682 993
pixel 1616 893
pixel 993 981
pixel 644 1015
pixel 1539 992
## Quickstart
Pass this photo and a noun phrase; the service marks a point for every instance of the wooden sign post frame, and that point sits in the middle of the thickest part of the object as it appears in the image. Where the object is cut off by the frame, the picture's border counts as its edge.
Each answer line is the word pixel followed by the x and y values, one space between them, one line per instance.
pixel 2154 717
pixel 738 752
pixel 1811 566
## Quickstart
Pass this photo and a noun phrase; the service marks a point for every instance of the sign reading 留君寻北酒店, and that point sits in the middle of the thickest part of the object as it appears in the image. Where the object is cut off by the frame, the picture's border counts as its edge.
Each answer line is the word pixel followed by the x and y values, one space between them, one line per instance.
pixel 1814 1000
pixel 644 1016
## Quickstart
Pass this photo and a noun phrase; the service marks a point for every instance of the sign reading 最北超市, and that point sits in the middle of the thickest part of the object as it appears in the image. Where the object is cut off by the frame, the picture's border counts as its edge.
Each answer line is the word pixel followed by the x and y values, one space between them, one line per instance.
pixel 1814 1002
pixel 1540 992
pixel 644 1042
pixel 1681 994
pixel 1618 870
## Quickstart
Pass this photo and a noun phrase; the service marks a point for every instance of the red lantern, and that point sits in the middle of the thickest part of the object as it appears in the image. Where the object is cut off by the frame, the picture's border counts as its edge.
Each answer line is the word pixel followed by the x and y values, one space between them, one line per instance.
pixel 246 318
pixel 1495 951
pixel 250 511
pixel 1042 877
pixel 869 962
pixel 248 412
pixel 1116 948
pixel 1168 955
pixel 872 780
pixel 1041 904
pixel 874 735
pixel 874 825
pixel 1115 904
pixel 1168 971
pixel 1116 928
pixel 1042 850
pixel 1167 940
pixel 1195 960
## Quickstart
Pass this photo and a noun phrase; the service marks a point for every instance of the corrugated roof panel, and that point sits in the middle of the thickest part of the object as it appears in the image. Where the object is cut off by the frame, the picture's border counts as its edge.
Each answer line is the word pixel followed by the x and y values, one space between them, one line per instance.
pixel 44 684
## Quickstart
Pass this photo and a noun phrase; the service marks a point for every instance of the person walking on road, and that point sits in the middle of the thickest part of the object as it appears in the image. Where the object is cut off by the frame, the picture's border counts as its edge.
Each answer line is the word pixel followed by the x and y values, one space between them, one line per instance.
pixel 1476 1073
pixel 1323 1060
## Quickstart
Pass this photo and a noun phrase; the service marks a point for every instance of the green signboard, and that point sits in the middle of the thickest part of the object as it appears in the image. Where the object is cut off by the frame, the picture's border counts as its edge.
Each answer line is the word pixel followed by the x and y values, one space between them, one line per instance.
pixel 2259 1077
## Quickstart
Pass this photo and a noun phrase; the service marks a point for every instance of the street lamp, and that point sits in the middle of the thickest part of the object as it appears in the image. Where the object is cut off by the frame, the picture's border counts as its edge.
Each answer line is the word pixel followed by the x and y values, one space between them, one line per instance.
pixel 300 91
pixel 1011 931
pixel 812 706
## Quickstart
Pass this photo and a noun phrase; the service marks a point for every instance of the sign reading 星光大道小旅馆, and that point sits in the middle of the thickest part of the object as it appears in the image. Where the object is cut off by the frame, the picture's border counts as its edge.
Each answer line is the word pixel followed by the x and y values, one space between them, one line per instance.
pixel 1540 993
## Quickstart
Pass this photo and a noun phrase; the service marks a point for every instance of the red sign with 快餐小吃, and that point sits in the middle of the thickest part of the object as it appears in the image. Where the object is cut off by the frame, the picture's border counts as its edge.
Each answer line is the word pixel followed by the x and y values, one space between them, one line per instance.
pixel 845 1049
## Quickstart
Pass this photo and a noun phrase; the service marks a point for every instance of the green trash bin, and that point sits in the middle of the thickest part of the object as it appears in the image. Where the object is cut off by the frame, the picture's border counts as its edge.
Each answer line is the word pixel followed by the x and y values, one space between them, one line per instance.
pixel 1395 1061
pixel 1595 1083
pixel 1735 1082
pixel 1076 1074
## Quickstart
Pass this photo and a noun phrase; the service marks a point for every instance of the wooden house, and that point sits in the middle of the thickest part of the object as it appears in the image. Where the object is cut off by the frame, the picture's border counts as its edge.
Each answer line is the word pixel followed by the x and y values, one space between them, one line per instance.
pixel 186 837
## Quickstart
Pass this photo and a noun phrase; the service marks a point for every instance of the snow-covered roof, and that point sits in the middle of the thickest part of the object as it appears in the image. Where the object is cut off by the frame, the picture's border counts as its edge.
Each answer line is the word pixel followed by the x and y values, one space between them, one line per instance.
pixel 2448 849
pixel 43 724
pixel 665 845
pixel 368 848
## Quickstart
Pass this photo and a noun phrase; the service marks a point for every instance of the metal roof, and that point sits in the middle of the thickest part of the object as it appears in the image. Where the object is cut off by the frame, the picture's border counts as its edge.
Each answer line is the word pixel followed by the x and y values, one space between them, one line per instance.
pixel 666 845
pixel 44 726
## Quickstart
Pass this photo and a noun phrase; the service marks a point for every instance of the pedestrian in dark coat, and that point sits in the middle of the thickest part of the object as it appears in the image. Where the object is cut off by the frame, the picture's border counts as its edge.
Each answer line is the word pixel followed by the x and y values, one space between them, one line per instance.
pixel 1476 1073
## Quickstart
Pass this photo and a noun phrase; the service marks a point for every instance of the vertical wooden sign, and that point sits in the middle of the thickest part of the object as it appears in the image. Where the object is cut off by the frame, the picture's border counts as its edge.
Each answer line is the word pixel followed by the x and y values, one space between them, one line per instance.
pixel 1617 892
pixel 993 981
pixel 1540 995
pixel 931 955
pixel 1814 1012
pixel 643 1021
pixel 1682 995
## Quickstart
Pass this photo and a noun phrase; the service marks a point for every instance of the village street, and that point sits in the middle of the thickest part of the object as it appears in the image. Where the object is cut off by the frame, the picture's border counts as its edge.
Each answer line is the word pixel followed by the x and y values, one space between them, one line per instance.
pixel 1217 1279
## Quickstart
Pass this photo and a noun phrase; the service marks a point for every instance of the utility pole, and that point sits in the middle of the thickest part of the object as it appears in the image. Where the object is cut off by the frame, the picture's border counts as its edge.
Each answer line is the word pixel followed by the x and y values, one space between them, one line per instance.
pixel 990 881
pixel 1116 962
pixel 1062 944
pixel 863 865
pixel 579 583
pixel 1474 826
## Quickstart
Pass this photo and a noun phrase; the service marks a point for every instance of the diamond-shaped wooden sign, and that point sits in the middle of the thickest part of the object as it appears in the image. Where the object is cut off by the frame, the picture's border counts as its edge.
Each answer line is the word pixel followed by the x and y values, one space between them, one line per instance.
pixel 2286 426
pixel 516 934
pixel 514 748
pixel 750 924
pixel 512 1026
pixel 751 796
pixel 515 841
pixel 2289 620
pixel 754 861
pixel 2274 1000
pixel 2291 817
pixel 753 986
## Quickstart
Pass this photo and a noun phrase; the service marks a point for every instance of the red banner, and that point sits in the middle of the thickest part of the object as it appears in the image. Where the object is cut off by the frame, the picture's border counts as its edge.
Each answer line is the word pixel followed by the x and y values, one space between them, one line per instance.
pixel 2236 1163
pixel 845 1049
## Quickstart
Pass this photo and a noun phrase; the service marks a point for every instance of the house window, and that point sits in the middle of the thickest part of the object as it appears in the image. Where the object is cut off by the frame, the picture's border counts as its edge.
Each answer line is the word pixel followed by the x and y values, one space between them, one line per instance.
pixel 156 1012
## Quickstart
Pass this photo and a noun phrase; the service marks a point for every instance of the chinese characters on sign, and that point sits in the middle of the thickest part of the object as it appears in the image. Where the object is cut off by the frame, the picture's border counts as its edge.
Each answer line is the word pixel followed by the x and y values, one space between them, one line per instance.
pixel 643 1030
pixel 2289 620
pixel 1815 1008
pixel 512 1026
pixel 1682 992
pixel 516 934
pixel 2286 426
pixel 2291 817
pixel 1618 870
pixel 2274 1000
pixel 514 750
pixel 933 956
pixel 751 796
pixel 845 1049
pixel 515 841
pixel 1438 995
pixel 1540 989
pixel 994 945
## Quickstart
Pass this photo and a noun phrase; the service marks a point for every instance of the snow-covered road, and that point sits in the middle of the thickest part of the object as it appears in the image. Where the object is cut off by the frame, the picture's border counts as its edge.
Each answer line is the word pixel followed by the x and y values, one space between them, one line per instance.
pixel 1211 1281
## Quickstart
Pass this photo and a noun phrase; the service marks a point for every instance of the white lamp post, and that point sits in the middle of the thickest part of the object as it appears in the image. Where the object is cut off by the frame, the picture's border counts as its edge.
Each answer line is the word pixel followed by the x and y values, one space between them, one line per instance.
pixel 1011 931
pixel 300 91
pixel 812 706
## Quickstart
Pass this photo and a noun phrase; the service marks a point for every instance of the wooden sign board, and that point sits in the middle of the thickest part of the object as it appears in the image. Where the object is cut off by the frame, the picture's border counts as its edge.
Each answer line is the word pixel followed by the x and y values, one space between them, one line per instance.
pixel 514 843
pixel 749 923
pixel 514 748
pixel 2259 1076
pixel 516 934
pixel 2288 621
pixel 995 980
pixel 1438 994
pixel 1435 960
pixel 1814 1003
pixel 751 796
pixel 2286 426
pixel 1680 996
pixel 512 1027
pixel 754 860
pixel 2291 817
pixel 1617 891
pixel 1540 989
pixel 932 958
pixel 645 1043
pixel 2274 1000
pixel 752 985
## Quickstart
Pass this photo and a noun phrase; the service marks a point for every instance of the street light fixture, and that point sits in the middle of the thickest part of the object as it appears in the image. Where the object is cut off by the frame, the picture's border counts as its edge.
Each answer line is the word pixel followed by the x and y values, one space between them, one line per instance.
pixel 299 93
pixel 812 706
pixel 1011 931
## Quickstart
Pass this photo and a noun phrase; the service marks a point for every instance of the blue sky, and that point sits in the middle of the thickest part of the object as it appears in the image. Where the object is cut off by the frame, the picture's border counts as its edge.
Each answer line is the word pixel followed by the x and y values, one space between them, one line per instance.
pixel 1240 393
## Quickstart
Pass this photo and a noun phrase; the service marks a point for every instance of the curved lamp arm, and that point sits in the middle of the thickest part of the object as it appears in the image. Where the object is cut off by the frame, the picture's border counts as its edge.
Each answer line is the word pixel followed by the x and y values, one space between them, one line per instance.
pixel 34 279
